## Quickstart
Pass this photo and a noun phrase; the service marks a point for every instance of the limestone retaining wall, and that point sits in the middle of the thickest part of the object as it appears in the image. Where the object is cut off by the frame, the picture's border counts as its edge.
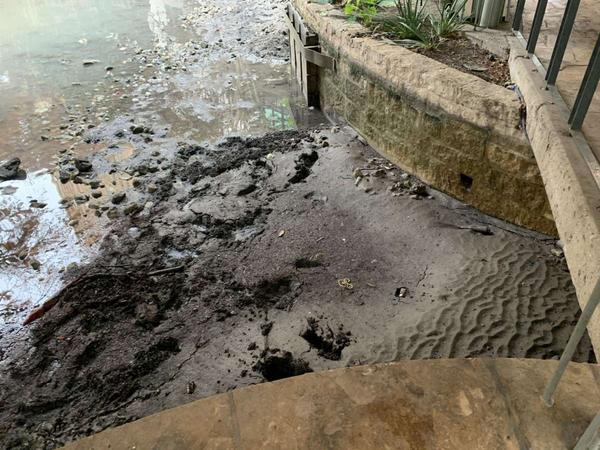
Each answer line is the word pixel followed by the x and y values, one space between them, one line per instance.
pixel 455 131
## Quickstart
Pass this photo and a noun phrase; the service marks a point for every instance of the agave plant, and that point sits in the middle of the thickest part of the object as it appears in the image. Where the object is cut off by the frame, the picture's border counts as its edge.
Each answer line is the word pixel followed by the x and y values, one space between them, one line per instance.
pixel 450 19
pixel 412 19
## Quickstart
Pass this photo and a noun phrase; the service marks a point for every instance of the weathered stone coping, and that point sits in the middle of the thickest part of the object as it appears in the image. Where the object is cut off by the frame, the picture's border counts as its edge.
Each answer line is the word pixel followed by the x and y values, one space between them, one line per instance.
pixel 572 190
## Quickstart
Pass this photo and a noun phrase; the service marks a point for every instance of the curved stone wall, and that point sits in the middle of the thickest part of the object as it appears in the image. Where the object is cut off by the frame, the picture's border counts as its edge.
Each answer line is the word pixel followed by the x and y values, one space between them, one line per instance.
pixel 458 133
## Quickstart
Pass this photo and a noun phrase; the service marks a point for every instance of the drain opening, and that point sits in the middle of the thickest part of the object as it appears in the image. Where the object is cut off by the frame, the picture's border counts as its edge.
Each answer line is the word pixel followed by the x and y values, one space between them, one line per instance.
pixel 466 181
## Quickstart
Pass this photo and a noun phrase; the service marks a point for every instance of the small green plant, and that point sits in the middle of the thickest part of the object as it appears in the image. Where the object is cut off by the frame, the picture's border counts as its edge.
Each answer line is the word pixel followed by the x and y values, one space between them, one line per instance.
pixel 412 19
pixel 450 19
pixel 362 10
pixel 415 26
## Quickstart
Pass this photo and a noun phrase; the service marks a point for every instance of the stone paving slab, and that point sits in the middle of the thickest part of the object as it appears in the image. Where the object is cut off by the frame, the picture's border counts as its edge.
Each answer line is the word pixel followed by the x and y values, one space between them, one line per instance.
pixel 427 404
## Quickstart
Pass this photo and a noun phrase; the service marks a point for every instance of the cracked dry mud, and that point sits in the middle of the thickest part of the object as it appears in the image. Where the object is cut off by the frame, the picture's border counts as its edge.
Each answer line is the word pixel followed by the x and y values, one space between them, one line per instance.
pixel 267 257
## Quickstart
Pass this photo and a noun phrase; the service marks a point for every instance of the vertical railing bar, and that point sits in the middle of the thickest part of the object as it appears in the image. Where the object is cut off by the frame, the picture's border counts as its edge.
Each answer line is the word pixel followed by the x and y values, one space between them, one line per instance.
pixel 589 438
pixel 518 15
pixel 564 33
pixel 536 26
pixel 587 89
pixel 569 351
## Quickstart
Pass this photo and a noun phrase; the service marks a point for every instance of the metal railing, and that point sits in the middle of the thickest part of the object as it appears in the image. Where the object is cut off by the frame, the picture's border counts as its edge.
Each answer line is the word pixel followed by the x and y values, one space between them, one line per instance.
pixel 590 438
pixel 592 75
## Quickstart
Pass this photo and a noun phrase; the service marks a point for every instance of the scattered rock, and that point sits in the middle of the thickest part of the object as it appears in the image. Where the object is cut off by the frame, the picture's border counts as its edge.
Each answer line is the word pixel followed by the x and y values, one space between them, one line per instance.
pixel 118 198
pixel 303 164
pixel 82 198
pixel 328 343
pixel 90 62
pixel 133 209
pixel 83 165
pixel 10 170
pixel 252 346
pixel 266 328
pixel 275 364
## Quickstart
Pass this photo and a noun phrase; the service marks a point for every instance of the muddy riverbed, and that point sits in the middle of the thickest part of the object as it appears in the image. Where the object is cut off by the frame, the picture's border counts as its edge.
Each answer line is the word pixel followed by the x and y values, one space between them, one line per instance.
pixel 171 262
pixel 253 260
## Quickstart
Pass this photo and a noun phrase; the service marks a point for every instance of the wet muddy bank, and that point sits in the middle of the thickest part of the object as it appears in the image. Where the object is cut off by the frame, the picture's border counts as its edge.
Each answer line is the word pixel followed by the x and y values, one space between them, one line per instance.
pixel 256 259
pixel 76 78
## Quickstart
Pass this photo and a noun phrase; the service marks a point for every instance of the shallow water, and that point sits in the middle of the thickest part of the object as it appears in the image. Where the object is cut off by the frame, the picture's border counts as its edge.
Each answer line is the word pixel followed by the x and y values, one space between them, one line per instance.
pixel 174 62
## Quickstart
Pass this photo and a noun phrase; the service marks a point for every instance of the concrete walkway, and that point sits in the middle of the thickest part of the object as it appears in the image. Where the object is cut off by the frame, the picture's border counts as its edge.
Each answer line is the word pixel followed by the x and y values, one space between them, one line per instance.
pixel 427 404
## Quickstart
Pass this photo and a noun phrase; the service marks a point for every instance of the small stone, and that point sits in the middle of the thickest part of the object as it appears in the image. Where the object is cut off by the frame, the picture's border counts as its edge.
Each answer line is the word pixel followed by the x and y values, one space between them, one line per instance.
pixel 83 165
pixel 10 170
pixel 118 198
pixel 96 194
pixel 152 188
pixel 35 264
pixel 133 209
pixel 82 198
pixel 112 213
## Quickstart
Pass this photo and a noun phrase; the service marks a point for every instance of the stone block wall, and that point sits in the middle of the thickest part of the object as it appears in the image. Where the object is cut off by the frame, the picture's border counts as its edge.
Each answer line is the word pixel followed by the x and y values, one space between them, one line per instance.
pixel 456 132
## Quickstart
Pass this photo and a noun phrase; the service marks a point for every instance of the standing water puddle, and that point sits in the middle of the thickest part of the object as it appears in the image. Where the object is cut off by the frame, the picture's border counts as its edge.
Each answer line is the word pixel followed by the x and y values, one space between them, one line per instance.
pixel 67 69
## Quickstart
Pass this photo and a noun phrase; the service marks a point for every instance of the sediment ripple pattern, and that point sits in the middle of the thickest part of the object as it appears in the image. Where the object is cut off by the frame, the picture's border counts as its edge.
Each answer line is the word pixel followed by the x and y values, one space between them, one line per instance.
pixel 514 301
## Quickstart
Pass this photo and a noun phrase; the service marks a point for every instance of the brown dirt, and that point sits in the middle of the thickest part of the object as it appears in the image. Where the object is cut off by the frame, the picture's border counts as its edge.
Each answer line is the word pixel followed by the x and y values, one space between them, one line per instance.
pixel 468 57
pixel 283 262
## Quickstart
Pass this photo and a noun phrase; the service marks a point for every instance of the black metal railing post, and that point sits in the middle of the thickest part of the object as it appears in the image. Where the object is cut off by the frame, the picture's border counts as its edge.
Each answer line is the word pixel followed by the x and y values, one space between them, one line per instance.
pixel 518 19
pixel 564 34
pixel 536 26
pixel 587 89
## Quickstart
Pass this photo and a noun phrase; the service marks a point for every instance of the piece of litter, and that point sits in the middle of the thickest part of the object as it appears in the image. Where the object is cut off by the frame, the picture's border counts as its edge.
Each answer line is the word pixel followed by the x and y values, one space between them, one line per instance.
pixel 281 233
pixel 345 283
pixel 401 292
pixel 475 68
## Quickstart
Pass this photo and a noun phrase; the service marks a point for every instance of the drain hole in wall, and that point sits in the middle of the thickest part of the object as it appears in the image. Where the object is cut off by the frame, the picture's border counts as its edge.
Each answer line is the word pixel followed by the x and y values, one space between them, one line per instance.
pixel 466 181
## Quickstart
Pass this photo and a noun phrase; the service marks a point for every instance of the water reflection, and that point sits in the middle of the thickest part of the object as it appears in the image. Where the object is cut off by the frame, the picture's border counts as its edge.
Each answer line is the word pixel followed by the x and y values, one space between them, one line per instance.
pixel 35 244
pixel 158 21
pixel 49 99
pixel 231 97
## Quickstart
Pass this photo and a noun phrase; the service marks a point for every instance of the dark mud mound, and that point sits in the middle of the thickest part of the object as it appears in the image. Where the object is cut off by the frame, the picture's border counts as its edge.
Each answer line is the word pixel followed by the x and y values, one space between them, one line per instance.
pixel 232 153
pixel 163 286
pixel 91 353
pixel 303 164
pixel 275 364
pixel 328 343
